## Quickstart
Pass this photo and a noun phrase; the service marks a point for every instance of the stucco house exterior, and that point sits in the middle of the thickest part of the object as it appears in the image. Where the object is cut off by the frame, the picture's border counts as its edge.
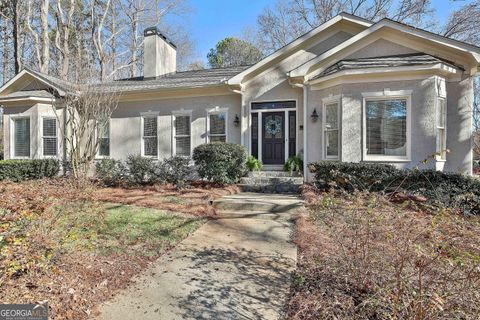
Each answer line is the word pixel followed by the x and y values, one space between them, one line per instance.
pixel 349 90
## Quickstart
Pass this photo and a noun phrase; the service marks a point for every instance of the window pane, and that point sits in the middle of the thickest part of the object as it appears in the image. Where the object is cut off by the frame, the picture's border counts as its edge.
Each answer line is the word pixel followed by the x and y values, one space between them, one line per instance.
pixel 441 113
pixel 22 137
pixel 331 117
pixel 150 146
pixel 49 146
pixel 217 139
pixel 386 127
pixel 217 123
pixel 441 145
pixel 104 148
pixel 103 132
pixel 49 127
pixel 182 146
pixel 332 143
pixel 150 127
pixel 182 125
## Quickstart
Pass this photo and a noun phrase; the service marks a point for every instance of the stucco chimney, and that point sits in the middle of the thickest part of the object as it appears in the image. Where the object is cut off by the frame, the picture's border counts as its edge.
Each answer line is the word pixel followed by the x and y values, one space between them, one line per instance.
pixel 159 54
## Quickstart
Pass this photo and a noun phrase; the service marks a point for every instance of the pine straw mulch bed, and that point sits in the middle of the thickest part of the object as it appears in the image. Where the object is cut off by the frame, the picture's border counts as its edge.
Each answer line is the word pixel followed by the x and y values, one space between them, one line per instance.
pixel 194 199
pixel 49 244
pixel 362 256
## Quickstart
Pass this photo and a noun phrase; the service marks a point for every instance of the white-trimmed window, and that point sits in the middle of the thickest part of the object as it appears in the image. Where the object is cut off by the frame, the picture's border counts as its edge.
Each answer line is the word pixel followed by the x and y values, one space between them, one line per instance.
pixel 103 135
pixel 21 137
pixel 150 136
pixel 49 137
pixel 441 123
pixel 217 126
pixel 182 134
pixel 331 128
pixel 386 122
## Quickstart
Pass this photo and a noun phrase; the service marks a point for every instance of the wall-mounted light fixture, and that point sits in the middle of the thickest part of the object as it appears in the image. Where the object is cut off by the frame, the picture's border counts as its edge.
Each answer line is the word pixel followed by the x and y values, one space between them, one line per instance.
pixel 314 115
pixel 236 122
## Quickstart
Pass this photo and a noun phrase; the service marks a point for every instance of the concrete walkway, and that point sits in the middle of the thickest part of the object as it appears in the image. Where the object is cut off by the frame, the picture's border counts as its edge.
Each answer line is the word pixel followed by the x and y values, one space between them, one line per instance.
pixel 236 267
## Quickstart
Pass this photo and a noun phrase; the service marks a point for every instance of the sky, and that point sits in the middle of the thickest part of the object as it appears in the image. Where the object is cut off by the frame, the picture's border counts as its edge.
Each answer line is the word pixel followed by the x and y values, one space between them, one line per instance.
pixel 213 20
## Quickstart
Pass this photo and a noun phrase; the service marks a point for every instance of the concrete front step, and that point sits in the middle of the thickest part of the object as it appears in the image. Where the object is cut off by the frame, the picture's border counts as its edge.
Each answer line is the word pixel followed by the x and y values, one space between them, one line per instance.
pixel 283 188
pixel 271 182
pixel 253 204
pixel 274 174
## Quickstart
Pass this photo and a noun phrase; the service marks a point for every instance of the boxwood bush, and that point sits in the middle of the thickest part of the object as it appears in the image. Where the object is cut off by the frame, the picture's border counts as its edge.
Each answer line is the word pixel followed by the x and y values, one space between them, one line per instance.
pixel 20 170
pixel 222 163
pixel 111 172
pixel 453 190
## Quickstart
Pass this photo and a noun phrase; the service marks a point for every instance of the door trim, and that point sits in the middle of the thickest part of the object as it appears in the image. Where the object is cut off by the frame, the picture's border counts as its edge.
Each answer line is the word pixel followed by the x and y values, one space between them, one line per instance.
pixel 260 124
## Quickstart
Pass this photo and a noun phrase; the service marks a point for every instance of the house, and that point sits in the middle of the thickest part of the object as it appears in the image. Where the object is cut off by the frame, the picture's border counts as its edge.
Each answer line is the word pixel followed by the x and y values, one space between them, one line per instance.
pixel 349 90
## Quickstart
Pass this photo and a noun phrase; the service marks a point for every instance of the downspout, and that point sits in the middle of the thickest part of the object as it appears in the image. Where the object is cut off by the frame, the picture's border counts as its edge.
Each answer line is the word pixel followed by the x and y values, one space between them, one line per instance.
pixel 305 104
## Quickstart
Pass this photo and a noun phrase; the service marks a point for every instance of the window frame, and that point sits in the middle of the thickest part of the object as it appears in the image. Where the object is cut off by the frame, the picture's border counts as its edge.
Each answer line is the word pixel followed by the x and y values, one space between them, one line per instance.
pixel 325 102
pixel 216 111
pixel 98 155
pixel 182 113
pixel 441 155
pixel 43 137
pixel 13 118
pixel 143 116
pixel 387 95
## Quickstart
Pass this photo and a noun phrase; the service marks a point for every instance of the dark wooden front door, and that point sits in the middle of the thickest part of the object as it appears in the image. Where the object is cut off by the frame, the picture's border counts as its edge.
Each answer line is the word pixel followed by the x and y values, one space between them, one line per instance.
pixel 273 137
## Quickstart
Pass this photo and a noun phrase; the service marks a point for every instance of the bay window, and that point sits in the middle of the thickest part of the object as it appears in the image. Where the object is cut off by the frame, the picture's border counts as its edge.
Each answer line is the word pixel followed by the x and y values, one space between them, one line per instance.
pixel 49 137
pixel 21 137
pixel 386 128
pixel 441 128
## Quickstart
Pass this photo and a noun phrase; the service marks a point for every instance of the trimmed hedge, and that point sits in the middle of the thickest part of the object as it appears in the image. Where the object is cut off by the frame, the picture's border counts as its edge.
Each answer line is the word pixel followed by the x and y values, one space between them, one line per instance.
pixel 222 163
pixel 453 190
pixel 21 170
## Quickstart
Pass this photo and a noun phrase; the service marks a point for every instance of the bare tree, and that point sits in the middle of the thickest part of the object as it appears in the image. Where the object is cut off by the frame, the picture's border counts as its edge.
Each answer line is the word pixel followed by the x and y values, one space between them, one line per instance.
pixel 41 40
pixel 86 111
pixel 289 19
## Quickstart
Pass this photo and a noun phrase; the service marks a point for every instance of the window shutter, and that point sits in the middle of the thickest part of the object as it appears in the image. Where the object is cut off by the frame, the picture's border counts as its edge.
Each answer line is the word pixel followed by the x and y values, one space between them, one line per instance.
pixel 22 137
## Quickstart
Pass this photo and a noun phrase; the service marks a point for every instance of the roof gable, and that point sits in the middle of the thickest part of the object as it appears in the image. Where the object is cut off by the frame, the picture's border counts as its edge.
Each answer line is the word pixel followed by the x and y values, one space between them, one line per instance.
pixel 467 55
pixel 30 80
pixel 343 21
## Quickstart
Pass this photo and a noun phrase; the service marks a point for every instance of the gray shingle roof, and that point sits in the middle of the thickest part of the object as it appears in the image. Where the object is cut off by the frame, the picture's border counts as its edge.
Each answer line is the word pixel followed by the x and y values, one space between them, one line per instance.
pixel 28 93
pixel 385 61
pixel 178 80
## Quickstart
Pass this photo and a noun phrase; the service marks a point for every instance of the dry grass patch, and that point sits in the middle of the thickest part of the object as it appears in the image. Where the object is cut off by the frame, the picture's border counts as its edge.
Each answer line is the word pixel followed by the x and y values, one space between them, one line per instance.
pixel 194 200
pixel 363 257
pixel 58 243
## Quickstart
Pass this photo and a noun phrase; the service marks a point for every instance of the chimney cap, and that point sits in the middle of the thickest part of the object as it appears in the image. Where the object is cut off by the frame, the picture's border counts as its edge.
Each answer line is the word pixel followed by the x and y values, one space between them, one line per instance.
pixel 151 31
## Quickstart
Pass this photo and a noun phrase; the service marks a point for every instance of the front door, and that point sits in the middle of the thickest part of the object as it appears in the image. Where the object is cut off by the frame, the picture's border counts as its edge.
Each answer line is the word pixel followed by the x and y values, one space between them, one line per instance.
pixel 273 137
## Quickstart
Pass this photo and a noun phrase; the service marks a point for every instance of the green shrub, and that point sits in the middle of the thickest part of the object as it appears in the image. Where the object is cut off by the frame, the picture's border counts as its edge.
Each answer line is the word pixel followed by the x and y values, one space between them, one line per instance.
pixel 175 170
pixel 20 170
pixel 253 164
pixel 111 172
pixel 353 176
pixel 141 170
pixel 293 164
pixel 452 190
pixel 220 162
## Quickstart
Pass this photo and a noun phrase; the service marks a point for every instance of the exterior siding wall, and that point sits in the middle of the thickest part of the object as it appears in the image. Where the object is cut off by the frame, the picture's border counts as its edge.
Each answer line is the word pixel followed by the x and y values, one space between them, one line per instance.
pixel 126 130
pixel 423 122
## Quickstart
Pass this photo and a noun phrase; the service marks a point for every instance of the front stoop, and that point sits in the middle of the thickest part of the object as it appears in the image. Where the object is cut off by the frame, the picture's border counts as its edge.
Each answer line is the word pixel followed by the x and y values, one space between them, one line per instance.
pixel 271 182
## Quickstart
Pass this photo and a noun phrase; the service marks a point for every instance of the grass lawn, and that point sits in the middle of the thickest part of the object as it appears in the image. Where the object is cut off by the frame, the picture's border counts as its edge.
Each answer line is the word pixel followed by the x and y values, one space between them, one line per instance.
pixel 364 256
pixel 59 243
